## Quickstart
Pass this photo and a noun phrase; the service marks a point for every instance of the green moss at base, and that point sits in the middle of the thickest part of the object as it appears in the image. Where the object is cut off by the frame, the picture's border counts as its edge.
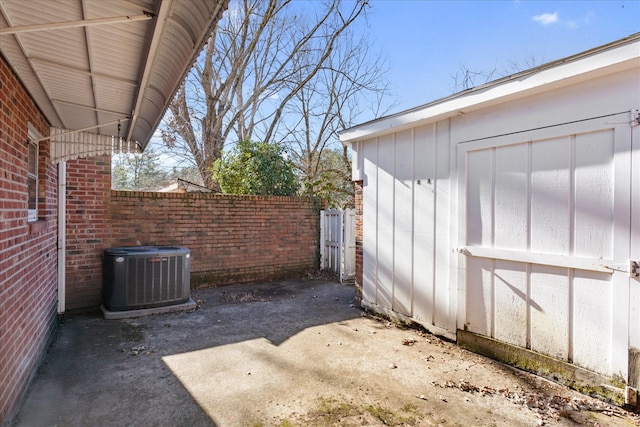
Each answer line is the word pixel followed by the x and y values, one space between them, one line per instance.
pixel 575 377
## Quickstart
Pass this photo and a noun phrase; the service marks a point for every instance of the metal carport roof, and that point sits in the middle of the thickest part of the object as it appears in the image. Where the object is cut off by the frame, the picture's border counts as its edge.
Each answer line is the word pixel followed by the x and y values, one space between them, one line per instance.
pixel 105 67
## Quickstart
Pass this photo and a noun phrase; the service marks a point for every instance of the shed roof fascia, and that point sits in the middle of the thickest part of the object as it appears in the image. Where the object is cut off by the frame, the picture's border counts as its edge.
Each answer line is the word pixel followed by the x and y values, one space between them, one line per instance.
pixel 603 60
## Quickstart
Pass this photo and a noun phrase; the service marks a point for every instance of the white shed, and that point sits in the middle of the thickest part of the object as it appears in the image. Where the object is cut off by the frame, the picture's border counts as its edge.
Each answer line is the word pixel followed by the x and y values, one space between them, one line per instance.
pixel 508 214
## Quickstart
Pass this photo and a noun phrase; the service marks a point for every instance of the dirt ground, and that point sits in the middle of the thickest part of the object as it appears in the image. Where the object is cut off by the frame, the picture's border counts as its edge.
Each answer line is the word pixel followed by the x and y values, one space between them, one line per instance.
pixel 289 353
pixel 422 380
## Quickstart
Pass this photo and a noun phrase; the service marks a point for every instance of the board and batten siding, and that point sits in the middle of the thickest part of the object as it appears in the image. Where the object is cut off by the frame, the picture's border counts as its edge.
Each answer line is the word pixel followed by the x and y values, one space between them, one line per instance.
pixel 514 220
pixel 406 202
pixel 543 220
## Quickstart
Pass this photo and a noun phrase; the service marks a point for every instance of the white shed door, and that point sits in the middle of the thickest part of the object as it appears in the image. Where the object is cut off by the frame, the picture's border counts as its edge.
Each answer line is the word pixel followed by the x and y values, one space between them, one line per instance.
pixel 546 234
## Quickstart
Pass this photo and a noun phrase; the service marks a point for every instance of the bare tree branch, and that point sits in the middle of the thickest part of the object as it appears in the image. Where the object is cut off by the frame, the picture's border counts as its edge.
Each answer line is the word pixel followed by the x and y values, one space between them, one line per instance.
pixel 276 71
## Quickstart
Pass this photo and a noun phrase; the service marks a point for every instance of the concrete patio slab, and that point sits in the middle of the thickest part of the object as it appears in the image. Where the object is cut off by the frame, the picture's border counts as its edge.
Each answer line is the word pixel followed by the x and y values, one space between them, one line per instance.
pixel 283 354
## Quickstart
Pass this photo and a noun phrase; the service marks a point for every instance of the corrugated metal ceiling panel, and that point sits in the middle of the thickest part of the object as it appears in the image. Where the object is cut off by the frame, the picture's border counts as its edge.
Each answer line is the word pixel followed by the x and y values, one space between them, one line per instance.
pixel 91 73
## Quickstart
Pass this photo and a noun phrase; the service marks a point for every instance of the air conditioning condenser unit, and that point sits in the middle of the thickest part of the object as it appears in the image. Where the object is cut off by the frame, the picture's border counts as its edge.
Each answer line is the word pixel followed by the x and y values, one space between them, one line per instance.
pixel 138 277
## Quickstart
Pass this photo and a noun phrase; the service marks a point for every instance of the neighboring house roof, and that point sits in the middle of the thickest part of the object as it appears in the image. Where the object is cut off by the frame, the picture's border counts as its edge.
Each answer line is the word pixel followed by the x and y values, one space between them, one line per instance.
pixel 108 67
pixel 616 56
pixel 184 186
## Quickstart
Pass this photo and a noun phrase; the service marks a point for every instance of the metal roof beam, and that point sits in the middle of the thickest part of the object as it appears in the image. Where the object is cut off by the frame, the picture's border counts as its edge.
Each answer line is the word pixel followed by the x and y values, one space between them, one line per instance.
pixel 74 131
pixel 88 107
pixel 75 24
pixel 165 6
pixel 87 44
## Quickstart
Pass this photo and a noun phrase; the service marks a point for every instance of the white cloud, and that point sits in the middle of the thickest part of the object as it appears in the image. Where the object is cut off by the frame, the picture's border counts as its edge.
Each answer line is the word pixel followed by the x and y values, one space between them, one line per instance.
pixel 588 17
pixel 546 18
pixel 554 18
pixel 570 24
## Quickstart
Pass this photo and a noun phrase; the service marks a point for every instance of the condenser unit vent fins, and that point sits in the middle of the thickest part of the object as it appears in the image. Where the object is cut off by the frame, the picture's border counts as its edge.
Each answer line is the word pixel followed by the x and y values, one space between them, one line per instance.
pixel 145 276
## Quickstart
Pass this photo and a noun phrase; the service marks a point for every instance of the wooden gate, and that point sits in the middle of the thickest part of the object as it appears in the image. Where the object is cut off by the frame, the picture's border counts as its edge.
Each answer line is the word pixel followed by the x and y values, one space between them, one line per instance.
pixel 545 229
pixel 338 242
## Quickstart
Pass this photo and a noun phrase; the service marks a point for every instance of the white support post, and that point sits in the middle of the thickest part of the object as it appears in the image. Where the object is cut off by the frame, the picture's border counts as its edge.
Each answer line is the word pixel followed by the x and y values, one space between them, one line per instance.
pixel 62 237
pixel 340 226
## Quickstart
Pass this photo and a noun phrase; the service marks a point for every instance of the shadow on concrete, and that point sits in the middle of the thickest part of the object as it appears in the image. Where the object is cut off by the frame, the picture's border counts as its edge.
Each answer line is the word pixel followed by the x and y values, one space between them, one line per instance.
pixel 157 370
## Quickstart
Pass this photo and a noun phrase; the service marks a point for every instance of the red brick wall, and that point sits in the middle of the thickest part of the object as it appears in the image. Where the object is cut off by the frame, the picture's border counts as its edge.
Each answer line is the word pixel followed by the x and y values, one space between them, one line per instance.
pixel 231 238
pixel 28 258
pixel 88 228
pixel 359 238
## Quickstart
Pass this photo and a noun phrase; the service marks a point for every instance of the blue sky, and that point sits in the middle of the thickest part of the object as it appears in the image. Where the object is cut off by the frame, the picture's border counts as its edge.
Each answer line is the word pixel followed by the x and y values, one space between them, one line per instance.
pixel 427 42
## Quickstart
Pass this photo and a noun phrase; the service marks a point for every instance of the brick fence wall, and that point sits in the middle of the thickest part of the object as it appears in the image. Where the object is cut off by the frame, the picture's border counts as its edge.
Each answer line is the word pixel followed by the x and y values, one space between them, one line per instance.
pixel 28 260
pixel 231 238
